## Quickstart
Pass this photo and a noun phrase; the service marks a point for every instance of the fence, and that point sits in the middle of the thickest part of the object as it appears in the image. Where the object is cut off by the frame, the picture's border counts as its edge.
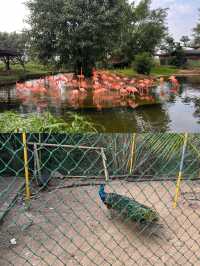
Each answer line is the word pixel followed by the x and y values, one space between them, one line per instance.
pixel 51 212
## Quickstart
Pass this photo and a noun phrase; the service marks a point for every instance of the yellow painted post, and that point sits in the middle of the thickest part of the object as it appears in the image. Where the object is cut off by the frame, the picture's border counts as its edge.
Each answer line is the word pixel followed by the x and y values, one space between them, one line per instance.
pixel 178 184
pixel 104 164
pixel 132 153
pixel 28 194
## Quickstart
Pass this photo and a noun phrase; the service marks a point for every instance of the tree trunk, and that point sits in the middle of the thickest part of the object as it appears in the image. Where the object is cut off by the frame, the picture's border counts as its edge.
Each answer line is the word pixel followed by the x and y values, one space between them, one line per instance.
pixel 7 63
pixel 86 67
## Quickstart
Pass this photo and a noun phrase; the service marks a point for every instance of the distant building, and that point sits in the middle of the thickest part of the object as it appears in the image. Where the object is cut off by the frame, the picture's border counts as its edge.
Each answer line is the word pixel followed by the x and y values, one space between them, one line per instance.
pixel 190 55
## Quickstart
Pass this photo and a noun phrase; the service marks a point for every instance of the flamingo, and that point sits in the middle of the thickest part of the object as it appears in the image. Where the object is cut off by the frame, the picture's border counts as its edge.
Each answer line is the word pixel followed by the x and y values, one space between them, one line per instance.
pixel 141 87
pixel 174 81
pixel 132 81
pixel 115 86
pixel 131 90
pixel 38 89
pixel 123 92
pixel 97 97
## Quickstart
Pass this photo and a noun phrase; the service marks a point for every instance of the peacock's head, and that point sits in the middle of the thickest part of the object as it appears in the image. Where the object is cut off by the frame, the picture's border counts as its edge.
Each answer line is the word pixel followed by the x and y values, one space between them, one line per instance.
pixel 102 192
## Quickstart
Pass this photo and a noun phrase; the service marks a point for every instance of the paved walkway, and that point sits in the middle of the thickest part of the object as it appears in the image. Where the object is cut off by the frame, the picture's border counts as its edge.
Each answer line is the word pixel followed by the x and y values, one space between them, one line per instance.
pixel 9 188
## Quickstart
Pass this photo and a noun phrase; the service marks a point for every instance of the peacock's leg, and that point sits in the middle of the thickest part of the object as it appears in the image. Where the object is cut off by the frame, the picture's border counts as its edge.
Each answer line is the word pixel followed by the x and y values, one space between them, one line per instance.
pixel 111 214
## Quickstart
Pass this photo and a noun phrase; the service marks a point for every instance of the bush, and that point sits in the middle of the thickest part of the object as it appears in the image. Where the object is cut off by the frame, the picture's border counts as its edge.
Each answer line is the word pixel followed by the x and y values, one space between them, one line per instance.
pixel 143 63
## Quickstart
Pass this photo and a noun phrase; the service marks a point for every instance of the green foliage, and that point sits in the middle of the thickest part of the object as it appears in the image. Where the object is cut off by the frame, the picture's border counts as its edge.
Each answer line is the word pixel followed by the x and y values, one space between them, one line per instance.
pixel 84 32
pixel 131 209
pixel 16 123
pixel 185 40
pixel 144 31
pixel 81 31
pixel 13 40
pixel 168 44
pixel 178 56
pixel 143 63
pixel 175 51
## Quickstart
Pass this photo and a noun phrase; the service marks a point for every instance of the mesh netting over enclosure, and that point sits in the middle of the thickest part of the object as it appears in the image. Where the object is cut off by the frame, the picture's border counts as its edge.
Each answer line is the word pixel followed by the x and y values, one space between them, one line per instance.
pixel 53 212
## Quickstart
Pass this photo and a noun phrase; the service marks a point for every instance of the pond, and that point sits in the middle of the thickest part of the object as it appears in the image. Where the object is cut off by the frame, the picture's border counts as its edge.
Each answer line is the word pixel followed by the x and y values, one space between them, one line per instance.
pixel 165 110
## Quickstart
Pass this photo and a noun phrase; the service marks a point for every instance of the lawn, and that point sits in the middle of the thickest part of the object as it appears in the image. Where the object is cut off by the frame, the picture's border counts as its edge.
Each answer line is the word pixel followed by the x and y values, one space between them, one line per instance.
pixel 156 71
pixel 17 73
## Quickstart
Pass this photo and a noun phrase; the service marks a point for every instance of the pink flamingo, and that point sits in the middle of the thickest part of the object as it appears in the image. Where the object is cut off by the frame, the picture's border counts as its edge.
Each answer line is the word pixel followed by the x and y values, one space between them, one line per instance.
pixel 141 87
pixel 39 89
pixel 131 90
pixel 115 86
pixel 123 92
pixel 174 81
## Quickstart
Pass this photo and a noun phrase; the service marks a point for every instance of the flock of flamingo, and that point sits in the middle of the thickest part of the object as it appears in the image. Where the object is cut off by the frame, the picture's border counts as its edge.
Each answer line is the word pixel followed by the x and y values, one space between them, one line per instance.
pixel 105 89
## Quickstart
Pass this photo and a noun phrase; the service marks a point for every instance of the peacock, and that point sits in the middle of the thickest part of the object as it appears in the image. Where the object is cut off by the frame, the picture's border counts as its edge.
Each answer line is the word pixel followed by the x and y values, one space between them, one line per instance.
pixel 128 208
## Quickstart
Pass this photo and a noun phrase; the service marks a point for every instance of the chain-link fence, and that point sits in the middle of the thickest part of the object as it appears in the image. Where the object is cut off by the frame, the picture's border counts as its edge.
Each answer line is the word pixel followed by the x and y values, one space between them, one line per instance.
pixel 52 214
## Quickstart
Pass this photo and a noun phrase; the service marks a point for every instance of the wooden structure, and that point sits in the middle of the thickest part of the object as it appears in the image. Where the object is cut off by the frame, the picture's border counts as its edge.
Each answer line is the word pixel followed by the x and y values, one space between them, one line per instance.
pixel 190 55
pixel 10 55
pixel 118 62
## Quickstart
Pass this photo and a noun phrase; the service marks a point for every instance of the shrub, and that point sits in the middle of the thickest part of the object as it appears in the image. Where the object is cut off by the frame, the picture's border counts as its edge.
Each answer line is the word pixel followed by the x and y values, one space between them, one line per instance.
pixel 143 63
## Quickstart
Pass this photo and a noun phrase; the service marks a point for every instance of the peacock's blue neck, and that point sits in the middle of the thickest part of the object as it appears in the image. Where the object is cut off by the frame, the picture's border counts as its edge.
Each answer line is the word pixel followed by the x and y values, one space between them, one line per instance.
pixel 102 193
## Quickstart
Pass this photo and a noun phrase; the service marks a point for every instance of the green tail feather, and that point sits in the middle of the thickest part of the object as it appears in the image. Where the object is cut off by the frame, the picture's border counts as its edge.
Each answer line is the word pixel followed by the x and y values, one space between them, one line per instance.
pixel 131 209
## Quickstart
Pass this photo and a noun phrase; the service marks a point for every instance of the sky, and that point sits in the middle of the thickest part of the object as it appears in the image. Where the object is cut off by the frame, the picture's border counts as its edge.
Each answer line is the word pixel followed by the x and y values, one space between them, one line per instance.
pixel 183 15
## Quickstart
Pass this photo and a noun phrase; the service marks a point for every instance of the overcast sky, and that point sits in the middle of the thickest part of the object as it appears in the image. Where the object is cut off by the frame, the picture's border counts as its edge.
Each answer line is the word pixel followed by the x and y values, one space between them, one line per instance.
pixel 183 15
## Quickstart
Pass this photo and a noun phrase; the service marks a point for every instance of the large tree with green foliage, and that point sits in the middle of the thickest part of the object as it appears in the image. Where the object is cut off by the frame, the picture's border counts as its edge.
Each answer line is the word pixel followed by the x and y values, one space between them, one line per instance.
pixel 145 29
pixel 197 33
pixel 15 41
pixel 175 51
pixel 185 40
pixel 80 32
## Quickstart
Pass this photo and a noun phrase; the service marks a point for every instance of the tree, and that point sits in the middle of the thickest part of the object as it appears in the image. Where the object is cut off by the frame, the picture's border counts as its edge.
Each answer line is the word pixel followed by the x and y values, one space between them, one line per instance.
pixel 185 40
pixel 14 41
pixel 145 29
pixel 178 56
pixel 196 33
pixel 168 44
pixel 175 51
pixel 80 32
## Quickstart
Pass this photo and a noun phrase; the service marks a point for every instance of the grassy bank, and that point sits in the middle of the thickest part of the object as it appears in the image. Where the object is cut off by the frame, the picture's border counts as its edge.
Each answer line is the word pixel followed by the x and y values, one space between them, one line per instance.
pixel 17 73
pixel 42 123
pixel 156 71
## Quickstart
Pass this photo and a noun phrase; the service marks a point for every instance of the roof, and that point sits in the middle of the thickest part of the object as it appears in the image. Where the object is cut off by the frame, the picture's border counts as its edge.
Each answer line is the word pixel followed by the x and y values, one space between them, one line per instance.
pixel 9 52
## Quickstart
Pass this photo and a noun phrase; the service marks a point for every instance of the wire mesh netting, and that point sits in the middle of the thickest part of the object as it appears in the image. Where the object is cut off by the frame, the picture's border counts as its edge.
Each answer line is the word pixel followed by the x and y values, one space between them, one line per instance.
pixel 68 218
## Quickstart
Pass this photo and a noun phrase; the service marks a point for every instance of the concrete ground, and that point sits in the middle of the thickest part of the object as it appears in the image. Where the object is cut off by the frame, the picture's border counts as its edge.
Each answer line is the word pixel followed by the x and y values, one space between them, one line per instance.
pixel 9 188
pixel 70 226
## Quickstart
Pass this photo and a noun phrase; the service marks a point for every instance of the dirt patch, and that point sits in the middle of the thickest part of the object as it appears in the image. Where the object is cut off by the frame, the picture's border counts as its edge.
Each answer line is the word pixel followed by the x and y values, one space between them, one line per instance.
pixel 189 72
pixel 71 227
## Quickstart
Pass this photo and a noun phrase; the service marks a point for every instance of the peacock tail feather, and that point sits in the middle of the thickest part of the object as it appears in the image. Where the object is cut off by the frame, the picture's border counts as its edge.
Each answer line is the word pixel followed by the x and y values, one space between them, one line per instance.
pixel 130 209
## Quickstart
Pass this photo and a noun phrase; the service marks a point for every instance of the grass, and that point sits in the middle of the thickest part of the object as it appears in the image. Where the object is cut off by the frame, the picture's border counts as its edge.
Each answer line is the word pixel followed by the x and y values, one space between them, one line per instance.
pixel 156 71
pixel 11 122
pixel 17 73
